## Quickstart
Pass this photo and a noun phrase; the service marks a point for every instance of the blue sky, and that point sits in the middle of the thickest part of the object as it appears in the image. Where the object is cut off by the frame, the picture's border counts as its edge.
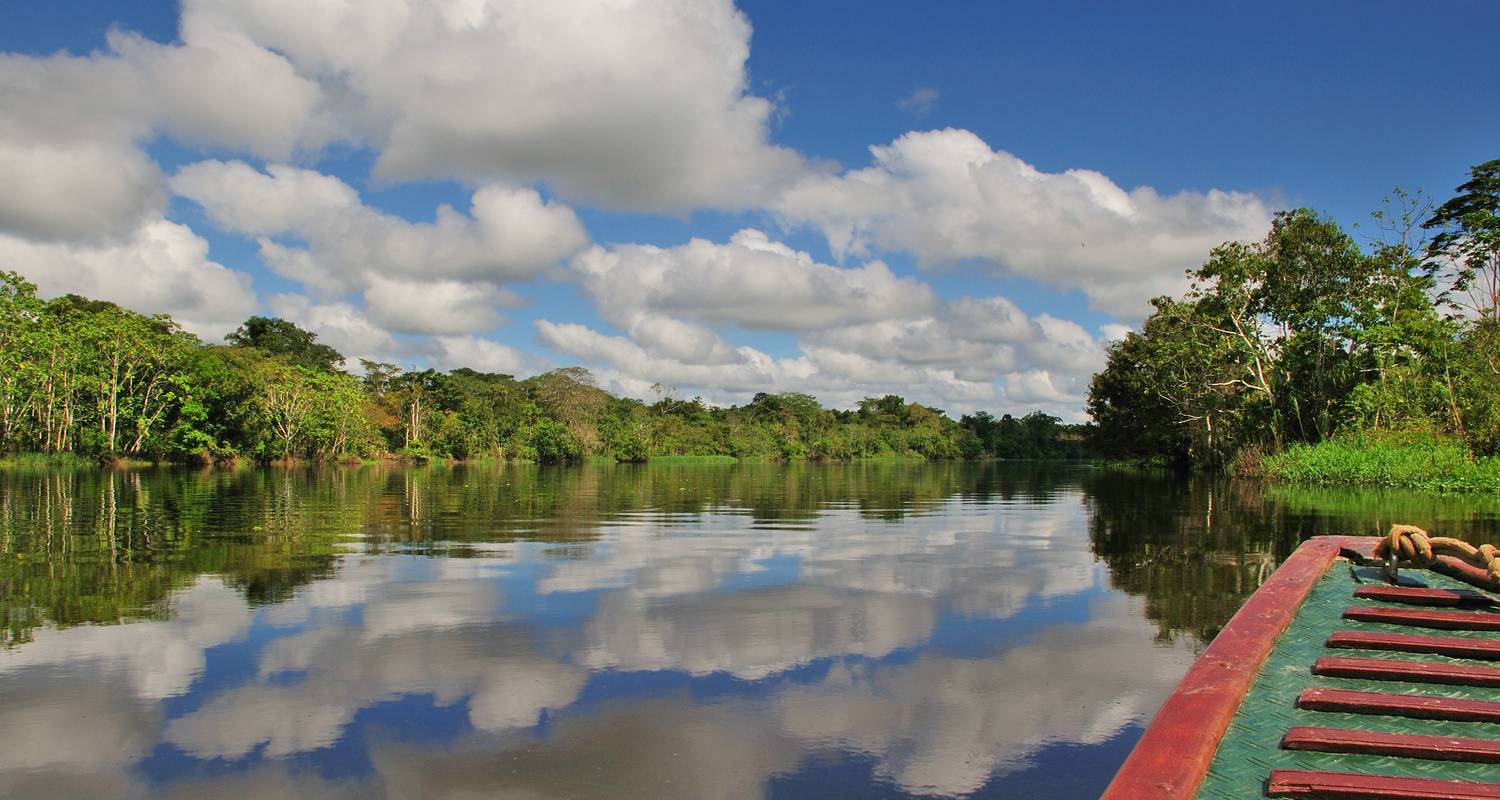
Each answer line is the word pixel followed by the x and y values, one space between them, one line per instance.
pixel 1040 173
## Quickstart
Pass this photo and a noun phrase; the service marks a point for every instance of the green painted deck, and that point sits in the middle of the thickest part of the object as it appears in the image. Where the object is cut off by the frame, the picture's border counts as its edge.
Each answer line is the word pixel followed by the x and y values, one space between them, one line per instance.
pixel 1251 746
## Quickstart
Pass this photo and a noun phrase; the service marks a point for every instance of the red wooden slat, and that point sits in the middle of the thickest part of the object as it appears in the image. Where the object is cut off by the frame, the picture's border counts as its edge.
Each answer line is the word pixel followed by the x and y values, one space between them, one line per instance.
pixel 1348 786
pixel 1404 745
pixel 1414 596
pixel 1389 669
pixel 1399 705
pixel 1444 620
pixel 1414 643
pixel 1172 757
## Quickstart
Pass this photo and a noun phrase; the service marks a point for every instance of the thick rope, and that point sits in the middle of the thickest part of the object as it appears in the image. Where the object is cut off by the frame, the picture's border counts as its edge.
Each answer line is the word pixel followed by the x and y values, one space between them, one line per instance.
pixel 1413 544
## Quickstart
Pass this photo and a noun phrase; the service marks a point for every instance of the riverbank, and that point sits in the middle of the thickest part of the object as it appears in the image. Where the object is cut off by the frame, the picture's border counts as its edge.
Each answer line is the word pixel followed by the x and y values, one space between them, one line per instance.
pixel 64 461
pixel 1408 460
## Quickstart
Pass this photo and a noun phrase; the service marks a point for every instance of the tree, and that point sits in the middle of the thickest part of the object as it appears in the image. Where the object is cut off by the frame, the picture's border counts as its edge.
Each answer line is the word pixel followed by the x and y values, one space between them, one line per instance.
pixel 219 404
pixel 411 392
pixel 984 427
pixel 379 377
pixel 1292 303
pixel 1476 385
pixel 1466 249
pixel 277 337
pixel 572 396
pixel 1292 339
pixel 287 402
pixel 1154 398
pixel 482 413
pixel 1399 336
pixel 338 425
pixel 554 443
pixel 111 379
pixel 61 364
pixel 20 372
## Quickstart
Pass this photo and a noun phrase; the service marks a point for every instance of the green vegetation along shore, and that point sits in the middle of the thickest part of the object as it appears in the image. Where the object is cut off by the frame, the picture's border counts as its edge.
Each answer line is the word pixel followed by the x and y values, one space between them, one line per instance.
pixel 1311 357
pixel 84 381
pixel 1411 460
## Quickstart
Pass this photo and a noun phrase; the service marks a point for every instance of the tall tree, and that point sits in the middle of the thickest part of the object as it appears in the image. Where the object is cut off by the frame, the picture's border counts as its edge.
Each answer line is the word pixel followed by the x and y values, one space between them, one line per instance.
pixel 288 403
pixel 1464 255
pixel 339 424
pixel 277 337
pixel 572 396
pixel 20 323
pixel 1466 249
pixel 413 392
pixel 1179 388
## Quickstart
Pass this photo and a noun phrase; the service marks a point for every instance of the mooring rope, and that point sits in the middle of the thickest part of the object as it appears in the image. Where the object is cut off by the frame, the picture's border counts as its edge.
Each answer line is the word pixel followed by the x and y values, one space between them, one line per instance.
pixel 1410 543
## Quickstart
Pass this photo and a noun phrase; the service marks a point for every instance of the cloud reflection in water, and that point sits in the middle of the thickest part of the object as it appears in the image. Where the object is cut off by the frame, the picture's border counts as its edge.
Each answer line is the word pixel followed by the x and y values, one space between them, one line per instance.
pixel 705 658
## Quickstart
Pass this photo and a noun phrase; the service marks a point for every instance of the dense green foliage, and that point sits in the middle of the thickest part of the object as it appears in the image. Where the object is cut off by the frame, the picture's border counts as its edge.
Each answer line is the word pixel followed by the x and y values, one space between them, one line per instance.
pixel 88 378
pixel 1417 461
pixel 1034 436
pixel 1307 337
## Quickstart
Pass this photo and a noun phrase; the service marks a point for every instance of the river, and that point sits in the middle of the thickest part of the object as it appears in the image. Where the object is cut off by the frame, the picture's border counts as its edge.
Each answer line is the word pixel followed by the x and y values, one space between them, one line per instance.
pixel 876 630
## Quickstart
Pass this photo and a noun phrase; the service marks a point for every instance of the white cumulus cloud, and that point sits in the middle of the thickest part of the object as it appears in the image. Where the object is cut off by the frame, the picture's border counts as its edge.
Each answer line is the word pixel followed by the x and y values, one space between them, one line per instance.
pixel 349 329
pixel 77 191
pixel 632 105
pixel 751 281
pixel 339 325
pixel 162 267
pixel 946 197
pixel 948 357
pixel 448 307
pixel 508 234
pixel 70 142
pixel 861 331
pixel 483 355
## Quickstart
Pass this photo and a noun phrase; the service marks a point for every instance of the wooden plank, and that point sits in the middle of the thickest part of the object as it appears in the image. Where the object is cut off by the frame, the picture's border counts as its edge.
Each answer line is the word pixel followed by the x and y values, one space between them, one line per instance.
pixel 1349 786
pixel 1173 755
pixel 1399 705
pixel 1390 669
pixel 1443 620
pixel 1412 596
pixel 1403 745
pixel 1416 643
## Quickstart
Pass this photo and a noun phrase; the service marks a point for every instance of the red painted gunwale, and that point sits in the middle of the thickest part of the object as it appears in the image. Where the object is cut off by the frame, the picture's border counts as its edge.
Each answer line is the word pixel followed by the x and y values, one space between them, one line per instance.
pixel 1442 620
pixel 1414 596
pixel 1391 669
pixel 1453 646
pixel 1172 757
pixel 1403 745
pixel 1413 706
pixel 1345 786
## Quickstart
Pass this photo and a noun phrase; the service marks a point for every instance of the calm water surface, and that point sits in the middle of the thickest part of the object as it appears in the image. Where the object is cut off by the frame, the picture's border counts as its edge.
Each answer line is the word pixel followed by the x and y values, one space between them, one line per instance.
pixel 743 631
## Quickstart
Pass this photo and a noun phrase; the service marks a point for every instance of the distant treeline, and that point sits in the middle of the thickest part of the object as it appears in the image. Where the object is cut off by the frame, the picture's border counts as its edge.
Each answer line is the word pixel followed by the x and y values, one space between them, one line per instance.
pixel 1308 337
pixel 89 378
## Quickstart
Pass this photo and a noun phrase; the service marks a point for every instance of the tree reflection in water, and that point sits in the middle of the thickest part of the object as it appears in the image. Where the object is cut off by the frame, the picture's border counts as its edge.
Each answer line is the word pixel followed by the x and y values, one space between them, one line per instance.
pixel 890 629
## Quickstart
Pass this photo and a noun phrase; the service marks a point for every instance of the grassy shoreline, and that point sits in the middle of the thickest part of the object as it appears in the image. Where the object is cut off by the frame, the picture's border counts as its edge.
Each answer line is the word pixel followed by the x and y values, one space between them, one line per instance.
pixel 1408 460
pixel 56 461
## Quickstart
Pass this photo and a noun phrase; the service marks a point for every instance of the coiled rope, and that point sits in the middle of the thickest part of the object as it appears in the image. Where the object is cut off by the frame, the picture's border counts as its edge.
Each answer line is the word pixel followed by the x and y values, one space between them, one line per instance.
pixel 1410 543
